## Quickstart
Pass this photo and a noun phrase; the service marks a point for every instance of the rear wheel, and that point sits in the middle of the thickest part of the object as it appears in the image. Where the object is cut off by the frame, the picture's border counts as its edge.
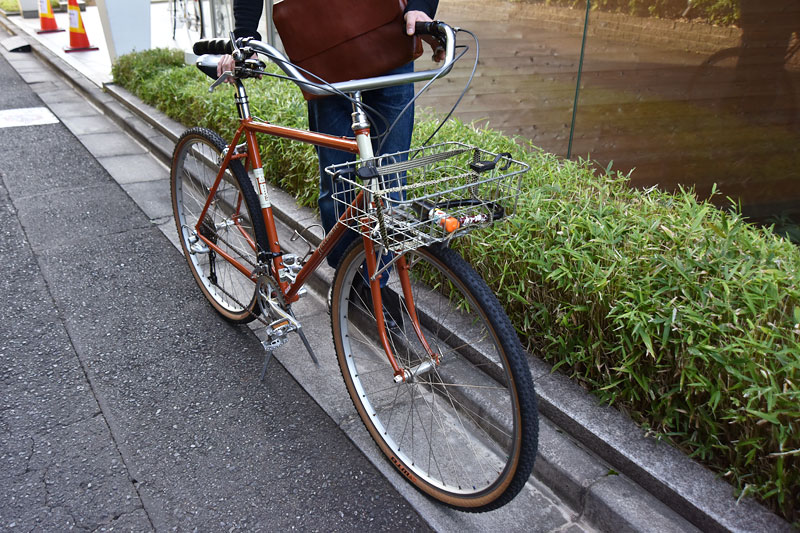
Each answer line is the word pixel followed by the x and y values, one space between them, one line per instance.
pixel 464 429
pixel 197 16
pixel 233 222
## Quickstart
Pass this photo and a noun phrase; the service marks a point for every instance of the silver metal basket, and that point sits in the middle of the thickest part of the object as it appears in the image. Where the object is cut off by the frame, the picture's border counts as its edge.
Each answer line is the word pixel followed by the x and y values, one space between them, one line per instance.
pixel 427 195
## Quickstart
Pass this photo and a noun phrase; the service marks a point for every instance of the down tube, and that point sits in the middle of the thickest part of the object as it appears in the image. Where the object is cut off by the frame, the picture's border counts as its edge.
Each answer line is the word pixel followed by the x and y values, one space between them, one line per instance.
pixel 324 248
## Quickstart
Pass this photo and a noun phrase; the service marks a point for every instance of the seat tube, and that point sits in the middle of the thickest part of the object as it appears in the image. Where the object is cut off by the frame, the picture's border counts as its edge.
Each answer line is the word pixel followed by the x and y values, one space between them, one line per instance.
pixel 254 157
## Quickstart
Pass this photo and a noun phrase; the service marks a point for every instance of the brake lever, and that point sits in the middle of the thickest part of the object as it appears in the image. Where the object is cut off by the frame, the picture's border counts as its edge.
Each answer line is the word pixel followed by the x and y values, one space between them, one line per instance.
pixel 232 37
pixel 224 78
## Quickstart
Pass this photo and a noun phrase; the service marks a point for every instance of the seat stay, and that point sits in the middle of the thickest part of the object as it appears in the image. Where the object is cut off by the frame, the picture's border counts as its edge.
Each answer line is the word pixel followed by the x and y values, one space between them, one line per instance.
pixel 236 264
pixel 221 172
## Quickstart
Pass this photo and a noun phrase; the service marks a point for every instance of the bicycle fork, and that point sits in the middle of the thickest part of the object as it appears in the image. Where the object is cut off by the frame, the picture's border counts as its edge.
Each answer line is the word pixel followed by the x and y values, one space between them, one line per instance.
pixel 400 374
pixel 362 133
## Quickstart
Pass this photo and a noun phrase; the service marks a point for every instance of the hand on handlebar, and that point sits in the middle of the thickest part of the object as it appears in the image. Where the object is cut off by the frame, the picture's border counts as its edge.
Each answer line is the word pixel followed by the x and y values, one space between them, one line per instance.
pixel 412 17
pixel 228 64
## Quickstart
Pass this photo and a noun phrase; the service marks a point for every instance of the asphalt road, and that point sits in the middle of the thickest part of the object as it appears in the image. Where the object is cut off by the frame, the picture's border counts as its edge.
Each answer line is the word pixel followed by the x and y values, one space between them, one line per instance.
pixel 126 403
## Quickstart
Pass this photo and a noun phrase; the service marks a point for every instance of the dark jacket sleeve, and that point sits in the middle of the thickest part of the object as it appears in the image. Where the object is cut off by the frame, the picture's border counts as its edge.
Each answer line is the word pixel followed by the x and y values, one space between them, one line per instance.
pixel 426 6
pixel 246 14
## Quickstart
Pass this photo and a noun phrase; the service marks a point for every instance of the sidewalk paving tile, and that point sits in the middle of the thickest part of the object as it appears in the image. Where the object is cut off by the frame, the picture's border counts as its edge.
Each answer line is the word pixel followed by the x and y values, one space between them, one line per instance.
pixel 154 200
pixel 48 165
pixel 111 144
pixel 87 125
pixel 77 215
pixel 134 168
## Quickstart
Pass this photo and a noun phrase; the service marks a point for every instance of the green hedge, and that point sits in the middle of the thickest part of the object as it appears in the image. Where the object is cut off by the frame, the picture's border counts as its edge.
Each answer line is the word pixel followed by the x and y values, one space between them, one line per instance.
pixel 9 6
pixel 682 315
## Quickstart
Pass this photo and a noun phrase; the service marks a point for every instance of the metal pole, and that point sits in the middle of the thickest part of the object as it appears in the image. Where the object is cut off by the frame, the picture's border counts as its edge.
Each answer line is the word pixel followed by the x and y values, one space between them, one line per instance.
pixel 270 25
pixel 213 18
pixel 578 84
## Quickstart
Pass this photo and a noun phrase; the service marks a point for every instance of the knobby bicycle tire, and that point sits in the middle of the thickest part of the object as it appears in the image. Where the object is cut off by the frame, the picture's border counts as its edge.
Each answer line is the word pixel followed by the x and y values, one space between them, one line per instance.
pixel 463 431
pixel 198 5
pixel 233 222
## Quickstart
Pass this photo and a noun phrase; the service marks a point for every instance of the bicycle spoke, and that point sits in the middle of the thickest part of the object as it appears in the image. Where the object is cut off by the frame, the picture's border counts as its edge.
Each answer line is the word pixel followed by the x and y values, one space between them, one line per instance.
pixel 227 222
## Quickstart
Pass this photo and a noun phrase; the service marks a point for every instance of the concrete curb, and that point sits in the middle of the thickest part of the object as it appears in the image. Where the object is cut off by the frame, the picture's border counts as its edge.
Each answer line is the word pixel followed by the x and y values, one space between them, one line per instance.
pixel 681 492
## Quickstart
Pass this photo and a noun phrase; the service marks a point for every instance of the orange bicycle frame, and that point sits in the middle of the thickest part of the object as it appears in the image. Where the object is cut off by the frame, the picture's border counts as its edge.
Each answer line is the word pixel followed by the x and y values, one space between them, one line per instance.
pixel 248 128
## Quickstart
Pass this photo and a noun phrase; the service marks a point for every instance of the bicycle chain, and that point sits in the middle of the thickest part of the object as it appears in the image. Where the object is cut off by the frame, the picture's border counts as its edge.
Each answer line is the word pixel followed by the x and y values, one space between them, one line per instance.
pixel 257 317
pixel 256 267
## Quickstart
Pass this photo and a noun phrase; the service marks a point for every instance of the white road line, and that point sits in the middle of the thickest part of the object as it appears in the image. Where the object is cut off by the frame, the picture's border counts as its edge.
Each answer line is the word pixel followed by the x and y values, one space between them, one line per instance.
pixel 27 116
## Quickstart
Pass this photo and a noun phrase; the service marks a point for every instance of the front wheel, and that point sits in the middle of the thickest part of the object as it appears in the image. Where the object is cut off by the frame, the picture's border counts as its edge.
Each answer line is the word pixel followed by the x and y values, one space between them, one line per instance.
pixel 232 222
pixel 462 429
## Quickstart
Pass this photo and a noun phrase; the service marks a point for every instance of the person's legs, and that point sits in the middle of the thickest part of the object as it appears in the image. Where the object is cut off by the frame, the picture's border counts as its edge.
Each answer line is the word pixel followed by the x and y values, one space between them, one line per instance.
pixel 332 115
pixel 390 102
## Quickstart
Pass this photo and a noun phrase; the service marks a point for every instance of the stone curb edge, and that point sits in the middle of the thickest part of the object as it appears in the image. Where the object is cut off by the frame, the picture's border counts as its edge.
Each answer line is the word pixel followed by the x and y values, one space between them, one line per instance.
pixel 687 488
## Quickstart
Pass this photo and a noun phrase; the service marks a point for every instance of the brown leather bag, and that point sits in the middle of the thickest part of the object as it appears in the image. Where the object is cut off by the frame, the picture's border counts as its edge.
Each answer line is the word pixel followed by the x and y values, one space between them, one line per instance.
pixel 340 40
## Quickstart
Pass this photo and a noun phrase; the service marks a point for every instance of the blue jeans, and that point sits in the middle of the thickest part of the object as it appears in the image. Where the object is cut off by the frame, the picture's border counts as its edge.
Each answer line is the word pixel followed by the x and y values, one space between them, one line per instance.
pixel 332 115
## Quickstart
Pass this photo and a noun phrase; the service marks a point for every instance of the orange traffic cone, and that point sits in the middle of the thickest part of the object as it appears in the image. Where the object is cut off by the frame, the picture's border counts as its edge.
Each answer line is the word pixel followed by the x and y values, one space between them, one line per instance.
pixel 47 21
pixel 78 41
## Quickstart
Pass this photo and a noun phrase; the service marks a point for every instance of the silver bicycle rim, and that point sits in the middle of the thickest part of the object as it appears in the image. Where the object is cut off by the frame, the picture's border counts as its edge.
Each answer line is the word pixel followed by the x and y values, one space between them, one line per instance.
pixel 233 291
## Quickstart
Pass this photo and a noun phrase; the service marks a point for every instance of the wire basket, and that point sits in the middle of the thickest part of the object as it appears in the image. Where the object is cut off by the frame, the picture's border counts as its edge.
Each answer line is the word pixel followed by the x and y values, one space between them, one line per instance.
pixel 426 195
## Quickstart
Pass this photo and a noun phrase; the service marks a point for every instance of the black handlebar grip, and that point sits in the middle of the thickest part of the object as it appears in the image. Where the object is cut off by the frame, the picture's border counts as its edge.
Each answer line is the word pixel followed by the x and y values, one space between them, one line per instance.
pixel 212 46
pixel 434 27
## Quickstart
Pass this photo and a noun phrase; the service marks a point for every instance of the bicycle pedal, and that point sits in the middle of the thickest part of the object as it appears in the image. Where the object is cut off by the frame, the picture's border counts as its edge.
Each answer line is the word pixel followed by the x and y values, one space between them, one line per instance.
pixel 270 344
pixel 280 326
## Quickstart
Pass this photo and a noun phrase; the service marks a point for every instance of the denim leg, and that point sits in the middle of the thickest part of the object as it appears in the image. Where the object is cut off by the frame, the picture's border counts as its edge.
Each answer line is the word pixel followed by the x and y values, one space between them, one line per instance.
pixel 332 115
pixel 390 102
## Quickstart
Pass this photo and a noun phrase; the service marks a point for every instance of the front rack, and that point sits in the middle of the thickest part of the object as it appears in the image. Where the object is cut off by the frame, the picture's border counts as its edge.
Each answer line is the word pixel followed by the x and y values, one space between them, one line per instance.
pixel 427 195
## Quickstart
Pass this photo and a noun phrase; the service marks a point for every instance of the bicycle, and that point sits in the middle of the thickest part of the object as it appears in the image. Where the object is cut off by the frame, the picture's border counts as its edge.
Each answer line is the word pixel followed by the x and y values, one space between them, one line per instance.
pixel 445 391
pixel 189 14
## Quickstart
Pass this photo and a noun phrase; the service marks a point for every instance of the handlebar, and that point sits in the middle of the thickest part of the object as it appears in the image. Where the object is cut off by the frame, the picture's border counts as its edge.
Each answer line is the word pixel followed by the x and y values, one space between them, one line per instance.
pixel 210 50
pixel 213 46
pixel 433 27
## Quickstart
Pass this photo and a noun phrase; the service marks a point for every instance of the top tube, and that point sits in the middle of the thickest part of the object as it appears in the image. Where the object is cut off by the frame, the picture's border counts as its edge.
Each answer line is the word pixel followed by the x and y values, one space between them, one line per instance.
pixel 351 86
